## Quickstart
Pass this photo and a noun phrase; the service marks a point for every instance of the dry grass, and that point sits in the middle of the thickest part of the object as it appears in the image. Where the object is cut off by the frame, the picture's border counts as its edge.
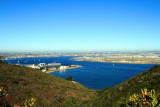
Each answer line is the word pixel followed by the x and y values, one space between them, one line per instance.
pixel 24 83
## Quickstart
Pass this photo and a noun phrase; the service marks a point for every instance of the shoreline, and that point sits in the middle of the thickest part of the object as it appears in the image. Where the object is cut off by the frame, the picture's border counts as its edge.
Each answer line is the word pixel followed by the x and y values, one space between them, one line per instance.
pixel 51 67
pixel 58 70
pixel 119 60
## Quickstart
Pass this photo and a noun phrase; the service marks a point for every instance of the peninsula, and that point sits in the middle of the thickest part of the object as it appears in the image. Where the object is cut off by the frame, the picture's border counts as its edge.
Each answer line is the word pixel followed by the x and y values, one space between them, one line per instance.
pixel 51 67
pixel 123 58
pixel 61 68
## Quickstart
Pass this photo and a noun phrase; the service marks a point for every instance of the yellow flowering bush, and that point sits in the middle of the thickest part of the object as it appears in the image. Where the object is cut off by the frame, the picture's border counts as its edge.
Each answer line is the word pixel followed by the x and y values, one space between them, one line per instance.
pixel 5 99
pixel 145 99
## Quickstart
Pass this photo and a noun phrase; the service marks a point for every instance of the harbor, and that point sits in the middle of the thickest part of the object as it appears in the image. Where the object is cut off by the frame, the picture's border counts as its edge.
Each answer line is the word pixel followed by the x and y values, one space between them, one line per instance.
pixel 51 67
pixel 91 74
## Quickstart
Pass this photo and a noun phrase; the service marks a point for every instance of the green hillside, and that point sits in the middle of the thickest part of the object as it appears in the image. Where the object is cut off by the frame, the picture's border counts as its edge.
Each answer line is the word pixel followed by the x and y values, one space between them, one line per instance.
pixel 49 91
pixel 118 96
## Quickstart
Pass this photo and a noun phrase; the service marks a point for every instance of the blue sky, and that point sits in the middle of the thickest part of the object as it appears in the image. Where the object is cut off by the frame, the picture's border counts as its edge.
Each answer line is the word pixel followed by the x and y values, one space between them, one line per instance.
pixel 79 24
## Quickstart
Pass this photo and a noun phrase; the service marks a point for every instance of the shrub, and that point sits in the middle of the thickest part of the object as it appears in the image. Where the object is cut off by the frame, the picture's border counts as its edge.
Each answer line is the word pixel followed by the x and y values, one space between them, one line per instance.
pixel 70 78
pixel 29 102
pixel 145 99
pixel 5 99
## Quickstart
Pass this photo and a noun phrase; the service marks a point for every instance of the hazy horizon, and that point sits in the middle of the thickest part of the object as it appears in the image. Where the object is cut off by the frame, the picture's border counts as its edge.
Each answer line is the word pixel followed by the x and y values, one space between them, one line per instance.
pixel 77 51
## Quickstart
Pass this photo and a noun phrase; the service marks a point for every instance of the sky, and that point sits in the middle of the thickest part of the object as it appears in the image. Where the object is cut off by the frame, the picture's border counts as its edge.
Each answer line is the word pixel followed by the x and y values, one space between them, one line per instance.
pixel 27 25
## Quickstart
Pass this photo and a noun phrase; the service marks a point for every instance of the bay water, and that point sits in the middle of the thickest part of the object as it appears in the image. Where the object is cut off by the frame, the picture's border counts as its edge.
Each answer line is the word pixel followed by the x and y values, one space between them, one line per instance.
pixel 94 75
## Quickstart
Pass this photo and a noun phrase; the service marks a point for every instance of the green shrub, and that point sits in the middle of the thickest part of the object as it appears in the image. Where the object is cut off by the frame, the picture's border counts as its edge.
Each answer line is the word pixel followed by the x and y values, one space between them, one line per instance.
pixel 69 78
pixel 145 99
pixel 29 102
pixel 71 102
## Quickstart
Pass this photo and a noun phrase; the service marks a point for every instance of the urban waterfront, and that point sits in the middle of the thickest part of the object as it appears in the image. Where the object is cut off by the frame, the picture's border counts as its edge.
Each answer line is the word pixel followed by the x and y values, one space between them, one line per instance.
pixel 95 75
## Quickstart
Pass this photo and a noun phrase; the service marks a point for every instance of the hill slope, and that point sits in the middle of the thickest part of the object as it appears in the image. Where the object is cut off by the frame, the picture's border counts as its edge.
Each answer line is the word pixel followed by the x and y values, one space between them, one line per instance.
pixel 118 95
pixel 24 83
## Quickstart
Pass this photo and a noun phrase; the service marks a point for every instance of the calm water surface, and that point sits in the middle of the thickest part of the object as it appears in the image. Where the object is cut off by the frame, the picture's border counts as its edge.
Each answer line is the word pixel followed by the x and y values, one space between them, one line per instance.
pixel 95 75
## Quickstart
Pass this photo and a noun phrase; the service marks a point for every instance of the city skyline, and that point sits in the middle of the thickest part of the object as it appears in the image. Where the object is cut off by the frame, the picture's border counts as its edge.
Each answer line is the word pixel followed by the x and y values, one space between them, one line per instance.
pixel 31 25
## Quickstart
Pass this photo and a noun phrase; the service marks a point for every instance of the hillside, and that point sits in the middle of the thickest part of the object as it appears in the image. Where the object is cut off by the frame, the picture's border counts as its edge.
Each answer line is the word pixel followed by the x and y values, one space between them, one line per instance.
pixel 24 83
pixel 118 96
pixel 51 91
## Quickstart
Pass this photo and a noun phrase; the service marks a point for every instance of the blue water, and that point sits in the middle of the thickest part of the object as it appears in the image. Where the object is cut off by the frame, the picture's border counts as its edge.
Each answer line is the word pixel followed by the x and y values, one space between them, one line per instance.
pixel 95 75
